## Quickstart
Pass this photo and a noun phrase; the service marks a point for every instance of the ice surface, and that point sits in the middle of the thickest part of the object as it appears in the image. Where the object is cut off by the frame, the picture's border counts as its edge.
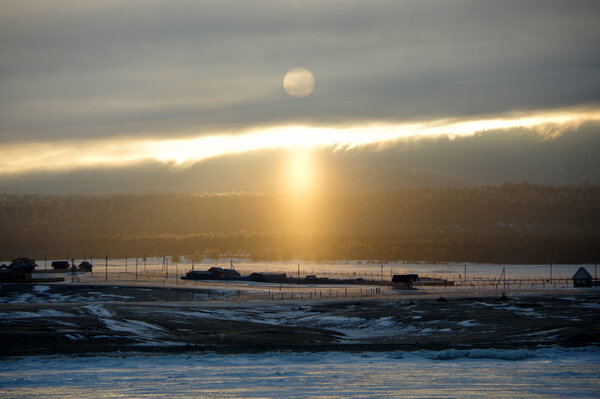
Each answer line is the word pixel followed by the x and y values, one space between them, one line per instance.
pixel 135 327
pixel 41 288
pixel 99 310
pixel 40 313
pixel 476 373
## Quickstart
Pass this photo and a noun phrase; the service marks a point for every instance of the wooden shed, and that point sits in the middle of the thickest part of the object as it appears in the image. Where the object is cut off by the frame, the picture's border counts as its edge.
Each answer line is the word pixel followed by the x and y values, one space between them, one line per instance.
pixel 404 281
pixel 60 265
pixel 582 278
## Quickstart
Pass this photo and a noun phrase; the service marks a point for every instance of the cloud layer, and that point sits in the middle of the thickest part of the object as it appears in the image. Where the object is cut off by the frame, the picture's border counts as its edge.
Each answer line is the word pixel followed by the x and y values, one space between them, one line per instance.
pixel 491 157
pixel 90 70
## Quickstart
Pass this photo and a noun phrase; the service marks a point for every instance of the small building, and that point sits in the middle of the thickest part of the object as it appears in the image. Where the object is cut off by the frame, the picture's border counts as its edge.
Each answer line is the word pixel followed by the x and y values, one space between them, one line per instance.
pixel 268 277
pixel 404 281
pixel 313 279
pixel 582 278
pixel 60 265
pixel 224 274
pixel 198 275
pixel 85 266
pixel 24 261
pixel 18 271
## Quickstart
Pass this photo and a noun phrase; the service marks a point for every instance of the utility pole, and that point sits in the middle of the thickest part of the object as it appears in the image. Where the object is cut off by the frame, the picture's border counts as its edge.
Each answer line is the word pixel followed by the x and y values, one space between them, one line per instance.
pixel 125 263
pixel 381 273
pixel 136 265
pixel 465 274
pixel 106 269
pixel 298 273
pixel 550 267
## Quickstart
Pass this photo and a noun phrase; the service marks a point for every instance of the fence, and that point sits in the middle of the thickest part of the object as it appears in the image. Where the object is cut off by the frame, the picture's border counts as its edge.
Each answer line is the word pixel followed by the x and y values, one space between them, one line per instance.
pixel 162 272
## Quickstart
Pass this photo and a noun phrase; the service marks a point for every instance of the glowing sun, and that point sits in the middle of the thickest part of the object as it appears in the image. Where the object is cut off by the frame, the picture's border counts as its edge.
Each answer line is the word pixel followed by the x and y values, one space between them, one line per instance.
pixel 299 82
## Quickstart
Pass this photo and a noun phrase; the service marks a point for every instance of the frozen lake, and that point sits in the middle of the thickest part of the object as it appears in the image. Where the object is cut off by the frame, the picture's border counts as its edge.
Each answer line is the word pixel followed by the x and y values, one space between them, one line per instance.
pixel 548 373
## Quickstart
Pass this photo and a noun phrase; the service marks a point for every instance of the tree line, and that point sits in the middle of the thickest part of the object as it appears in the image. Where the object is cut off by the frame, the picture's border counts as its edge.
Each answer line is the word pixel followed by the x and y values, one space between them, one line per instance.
pixel 510 223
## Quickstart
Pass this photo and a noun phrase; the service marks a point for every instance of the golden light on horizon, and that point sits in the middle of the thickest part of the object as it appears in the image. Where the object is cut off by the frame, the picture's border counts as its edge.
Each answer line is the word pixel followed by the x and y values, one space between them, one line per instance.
pixel 111 152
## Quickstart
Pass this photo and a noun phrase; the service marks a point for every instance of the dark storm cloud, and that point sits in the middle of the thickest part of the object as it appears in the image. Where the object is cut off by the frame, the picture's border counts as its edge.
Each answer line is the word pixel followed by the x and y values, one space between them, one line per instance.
pixel 72 69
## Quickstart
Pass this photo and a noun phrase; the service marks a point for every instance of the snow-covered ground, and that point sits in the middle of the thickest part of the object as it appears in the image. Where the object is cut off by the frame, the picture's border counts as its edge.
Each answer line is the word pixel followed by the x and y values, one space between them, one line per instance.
pixel 476 373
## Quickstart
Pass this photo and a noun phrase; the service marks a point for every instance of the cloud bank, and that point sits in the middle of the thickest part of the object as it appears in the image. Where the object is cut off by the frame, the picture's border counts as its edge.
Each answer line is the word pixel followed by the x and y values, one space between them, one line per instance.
pixel 89 70
pixel 485 158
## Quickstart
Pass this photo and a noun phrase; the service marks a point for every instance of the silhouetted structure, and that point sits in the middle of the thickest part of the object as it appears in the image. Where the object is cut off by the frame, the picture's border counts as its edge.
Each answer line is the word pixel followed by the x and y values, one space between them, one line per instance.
pixel 60 265
pixel 198 275
pixel 85 266
pixel 404 281
pixel 268 277
pixel 224 274
pixel 582 278
pixel 19 270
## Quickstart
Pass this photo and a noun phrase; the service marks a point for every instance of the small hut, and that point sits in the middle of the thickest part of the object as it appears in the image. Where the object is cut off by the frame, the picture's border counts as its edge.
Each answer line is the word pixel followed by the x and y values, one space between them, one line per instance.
pixel 582 278
pixel 224 274
pixel 404 281
pixel 198 275
pixel 60 265
pixel 85 266
pixel 19 270
pixel 268 277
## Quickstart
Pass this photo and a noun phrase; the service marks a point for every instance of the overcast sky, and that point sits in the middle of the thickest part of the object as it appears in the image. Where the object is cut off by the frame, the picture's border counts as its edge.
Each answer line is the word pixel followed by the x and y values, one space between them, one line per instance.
pixel 99 72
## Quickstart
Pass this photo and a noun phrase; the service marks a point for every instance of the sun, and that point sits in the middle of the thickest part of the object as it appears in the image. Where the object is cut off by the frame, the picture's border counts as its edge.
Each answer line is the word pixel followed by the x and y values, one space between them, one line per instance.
pixel 299 82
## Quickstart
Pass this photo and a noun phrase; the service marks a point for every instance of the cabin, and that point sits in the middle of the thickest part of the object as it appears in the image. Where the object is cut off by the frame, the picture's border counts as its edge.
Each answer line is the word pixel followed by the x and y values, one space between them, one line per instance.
pixel 404 281
pixel 582 278
pixel 198 275
pixel 60 265
pixel 224 274
pixel 24 261
pixel 85 266
pixel 313 279
pixel 18 271
pixel 268 277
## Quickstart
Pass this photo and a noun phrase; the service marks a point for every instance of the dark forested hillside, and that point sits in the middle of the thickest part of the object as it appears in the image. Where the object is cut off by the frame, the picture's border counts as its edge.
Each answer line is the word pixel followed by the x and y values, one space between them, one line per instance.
pixel 512 223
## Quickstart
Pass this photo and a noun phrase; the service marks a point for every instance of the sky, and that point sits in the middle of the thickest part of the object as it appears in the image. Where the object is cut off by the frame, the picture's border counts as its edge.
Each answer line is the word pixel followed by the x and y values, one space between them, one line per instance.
pixel 115 90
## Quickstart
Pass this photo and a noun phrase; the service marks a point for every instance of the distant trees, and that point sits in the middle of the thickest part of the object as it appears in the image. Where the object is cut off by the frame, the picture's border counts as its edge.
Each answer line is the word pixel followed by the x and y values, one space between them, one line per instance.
pixel 511 223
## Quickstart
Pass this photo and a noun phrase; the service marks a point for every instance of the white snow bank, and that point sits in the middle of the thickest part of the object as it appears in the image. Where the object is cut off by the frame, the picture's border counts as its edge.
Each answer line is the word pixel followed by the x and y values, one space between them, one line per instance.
pixel 135 327
pixel 99 310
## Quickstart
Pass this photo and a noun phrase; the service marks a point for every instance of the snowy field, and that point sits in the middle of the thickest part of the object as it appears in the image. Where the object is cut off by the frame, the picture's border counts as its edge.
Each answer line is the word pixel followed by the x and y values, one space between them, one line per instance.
pixel 547 373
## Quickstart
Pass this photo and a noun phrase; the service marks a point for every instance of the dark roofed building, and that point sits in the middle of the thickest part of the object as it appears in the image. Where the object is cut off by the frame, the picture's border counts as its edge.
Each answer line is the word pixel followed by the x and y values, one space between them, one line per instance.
pixel 582 278
pixel 404 281
pixel 198 275
pixel 224 274
pixel 24 261
pixel 267 277
pixel 85 266
pixel 19 270
pixel 60 265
